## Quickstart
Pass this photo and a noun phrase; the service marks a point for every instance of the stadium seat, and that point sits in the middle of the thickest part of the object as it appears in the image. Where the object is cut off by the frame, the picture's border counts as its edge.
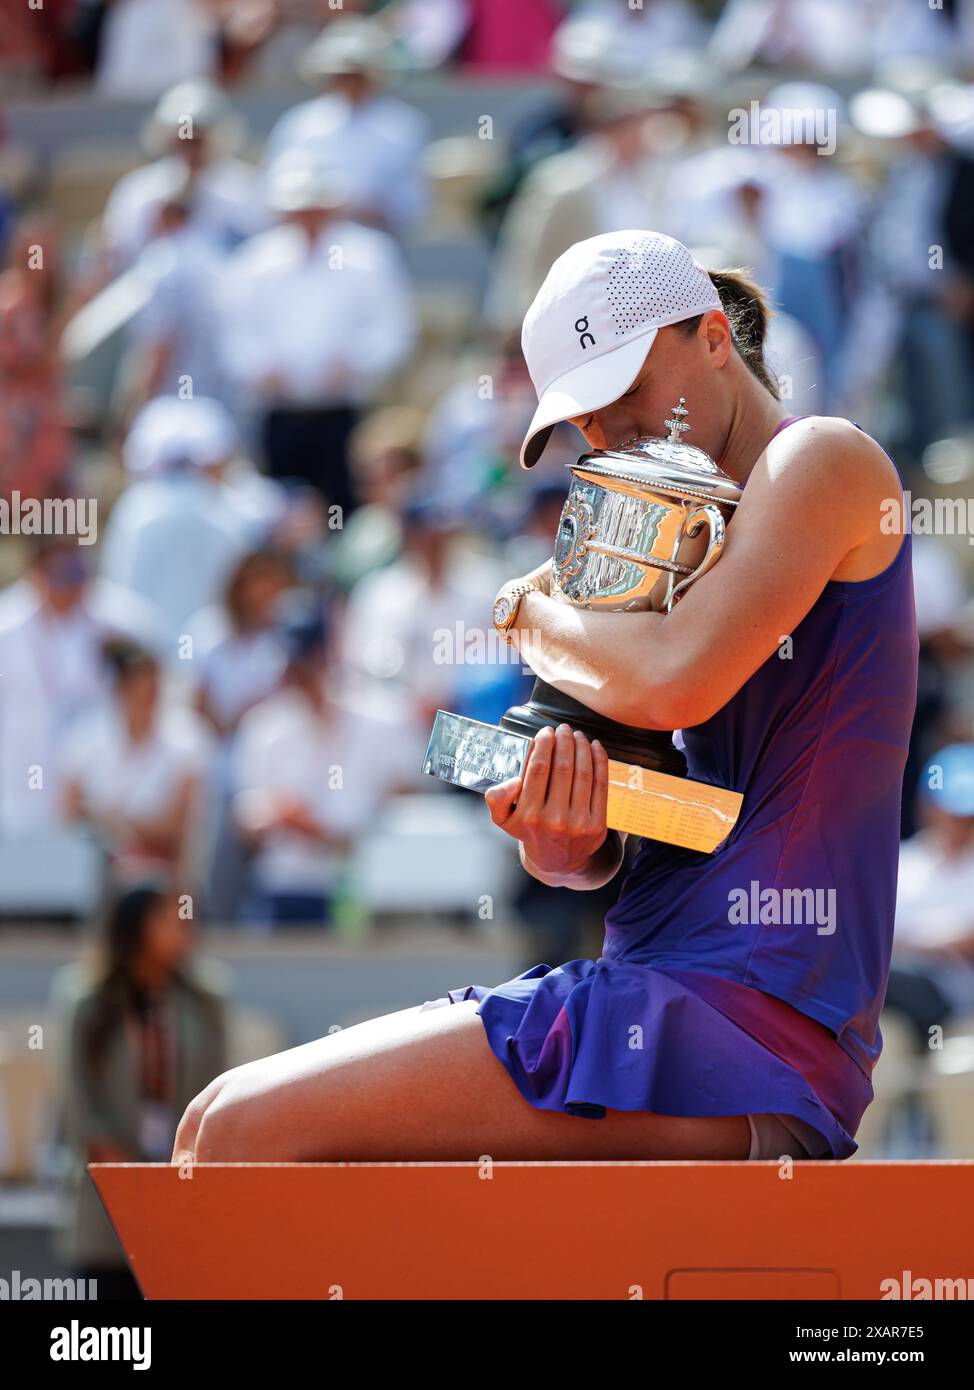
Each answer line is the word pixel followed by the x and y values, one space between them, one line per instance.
pixel 424 855
pixel 56 872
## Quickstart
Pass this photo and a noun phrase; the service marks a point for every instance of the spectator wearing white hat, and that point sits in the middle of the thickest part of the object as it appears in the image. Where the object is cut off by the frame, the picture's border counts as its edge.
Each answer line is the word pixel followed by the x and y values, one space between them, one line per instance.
pixel 317 313
pixel 177 530
pixel 376 139
pixel 171 431
pixel 194 133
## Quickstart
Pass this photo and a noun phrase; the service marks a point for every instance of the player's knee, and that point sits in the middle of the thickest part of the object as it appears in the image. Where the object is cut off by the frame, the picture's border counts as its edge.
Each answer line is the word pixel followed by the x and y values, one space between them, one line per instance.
pixel 187 1134
pixel 221 1134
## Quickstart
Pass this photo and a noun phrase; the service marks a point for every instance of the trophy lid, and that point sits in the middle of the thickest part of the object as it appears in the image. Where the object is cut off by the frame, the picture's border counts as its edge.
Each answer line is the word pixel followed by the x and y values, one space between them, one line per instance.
pixel 666 464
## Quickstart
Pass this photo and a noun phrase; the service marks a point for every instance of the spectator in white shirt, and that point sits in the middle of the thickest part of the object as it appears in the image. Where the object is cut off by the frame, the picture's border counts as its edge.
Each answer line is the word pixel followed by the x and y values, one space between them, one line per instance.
pixel 174 338
pixel 317 313
pixel 134 771
pixel 932 978
pixel 147 44
pixel 53 623
pixel 839 38
pixel 177 530
pixel 818 36
pixel 194 132
pixel 941 31
pixel 311 773
pixel 376 139
pixel 641 34
pixel 238 648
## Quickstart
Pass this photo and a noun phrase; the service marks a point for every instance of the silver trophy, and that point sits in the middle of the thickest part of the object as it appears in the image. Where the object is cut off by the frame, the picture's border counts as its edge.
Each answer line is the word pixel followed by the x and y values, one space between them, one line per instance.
pixel 628 527
pixel 640 524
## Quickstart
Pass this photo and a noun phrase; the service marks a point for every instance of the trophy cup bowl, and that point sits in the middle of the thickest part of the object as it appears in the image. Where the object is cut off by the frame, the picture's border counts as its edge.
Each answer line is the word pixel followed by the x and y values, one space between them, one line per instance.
pixel 640 524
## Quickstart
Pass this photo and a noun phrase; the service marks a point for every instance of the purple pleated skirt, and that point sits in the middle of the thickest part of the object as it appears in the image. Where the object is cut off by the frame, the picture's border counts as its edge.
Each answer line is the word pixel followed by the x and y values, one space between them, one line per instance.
pixel 592 1035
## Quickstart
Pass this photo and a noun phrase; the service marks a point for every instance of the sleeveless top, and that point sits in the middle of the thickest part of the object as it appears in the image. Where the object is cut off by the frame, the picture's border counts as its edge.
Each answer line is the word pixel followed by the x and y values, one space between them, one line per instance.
pixel 797 904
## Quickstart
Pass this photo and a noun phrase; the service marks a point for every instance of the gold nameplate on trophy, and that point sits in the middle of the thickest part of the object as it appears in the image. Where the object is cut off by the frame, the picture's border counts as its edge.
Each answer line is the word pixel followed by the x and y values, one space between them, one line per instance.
pixel 650 804
pixel 672 809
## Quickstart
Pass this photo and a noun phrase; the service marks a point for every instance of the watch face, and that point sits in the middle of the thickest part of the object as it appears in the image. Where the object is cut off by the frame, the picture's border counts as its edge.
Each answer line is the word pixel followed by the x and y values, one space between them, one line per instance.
pixel 503 611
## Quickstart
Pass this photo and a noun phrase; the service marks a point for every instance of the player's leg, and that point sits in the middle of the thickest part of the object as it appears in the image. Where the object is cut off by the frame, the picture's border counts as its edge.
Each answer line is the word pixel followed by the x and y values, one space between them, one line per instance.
pixel 185 1141
pixel 424 1085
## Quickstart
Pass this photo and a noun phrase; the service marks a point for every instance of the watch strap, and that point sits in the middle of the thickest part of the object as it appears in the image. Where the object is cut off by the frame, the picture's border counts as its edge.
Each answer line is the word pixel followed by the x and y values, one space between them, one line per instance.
pixel 514 593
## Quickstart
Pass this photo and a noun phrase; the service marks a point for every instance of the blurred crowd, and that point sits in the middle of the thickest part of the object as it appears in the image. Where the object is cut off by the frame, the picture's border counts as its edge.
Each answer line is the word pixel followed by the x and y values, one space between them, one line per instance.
pixel 136 48
pixel 304 458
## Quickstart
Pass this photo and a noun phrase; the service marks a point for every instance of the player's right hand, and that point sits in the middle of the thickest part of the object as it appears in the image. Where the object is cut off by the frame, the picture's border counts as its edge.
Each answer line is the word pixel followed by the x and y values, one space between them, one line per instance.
pixel 557 806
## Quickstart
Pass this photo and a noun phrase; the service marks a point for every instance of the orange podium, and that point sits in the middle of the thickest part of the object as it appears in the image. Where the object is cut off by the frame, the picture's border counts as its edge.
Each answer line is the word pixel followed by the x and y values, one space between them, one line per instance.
pixel 563 1230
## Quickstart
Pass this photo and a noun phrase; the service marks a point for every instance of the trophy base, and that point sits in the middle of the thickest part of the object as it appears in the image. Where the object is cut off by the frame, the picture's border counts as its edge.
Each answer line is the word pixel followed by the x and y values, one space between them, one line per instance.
pixel 547 707
pixel 641 801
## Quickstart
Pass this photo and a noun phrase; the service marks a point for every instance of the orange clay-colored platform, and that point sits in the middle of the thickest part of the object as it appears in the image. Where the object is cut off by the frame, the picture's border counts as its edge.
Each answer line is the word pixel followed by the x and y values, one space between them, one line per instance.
pixel 540 1230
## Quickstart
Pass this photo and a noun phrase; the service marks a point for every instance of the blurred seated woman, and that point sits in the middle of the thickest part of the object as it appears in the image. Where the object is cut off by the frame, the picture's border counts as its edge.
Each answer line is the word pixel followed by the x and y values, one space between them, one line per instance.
pixel 239 661
pixel 142 1030
pixel 240 652
pixel 133 770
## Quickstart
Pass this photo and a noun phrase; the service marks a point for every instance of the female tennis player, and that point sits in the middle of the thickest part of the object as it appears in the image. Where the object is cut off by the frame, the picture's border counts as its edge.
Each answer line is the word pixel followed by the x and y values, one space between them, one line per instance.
pixel 714 1025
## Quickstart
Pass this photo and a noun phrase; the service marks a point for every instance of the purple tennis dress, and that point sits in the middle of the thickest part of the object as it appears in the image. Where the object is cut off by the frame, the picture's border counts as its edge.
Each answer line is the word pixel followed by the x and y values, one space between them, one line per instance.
pixel 714 996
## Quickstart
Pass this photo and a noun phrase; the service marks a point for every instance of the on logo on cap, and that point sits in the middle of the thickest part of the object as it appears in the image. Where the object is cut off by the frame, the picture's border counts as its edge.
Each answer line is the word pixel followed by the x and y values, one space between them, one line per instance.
pixel 585 338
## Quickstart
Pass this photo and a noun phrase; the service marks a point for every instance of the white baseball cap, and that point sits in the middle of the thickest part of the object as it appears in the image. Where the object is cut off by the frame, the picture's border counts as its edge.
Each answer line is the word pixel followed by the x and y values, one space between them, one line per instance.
pixel 594 319
pixel 300 181
pixel 172 432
